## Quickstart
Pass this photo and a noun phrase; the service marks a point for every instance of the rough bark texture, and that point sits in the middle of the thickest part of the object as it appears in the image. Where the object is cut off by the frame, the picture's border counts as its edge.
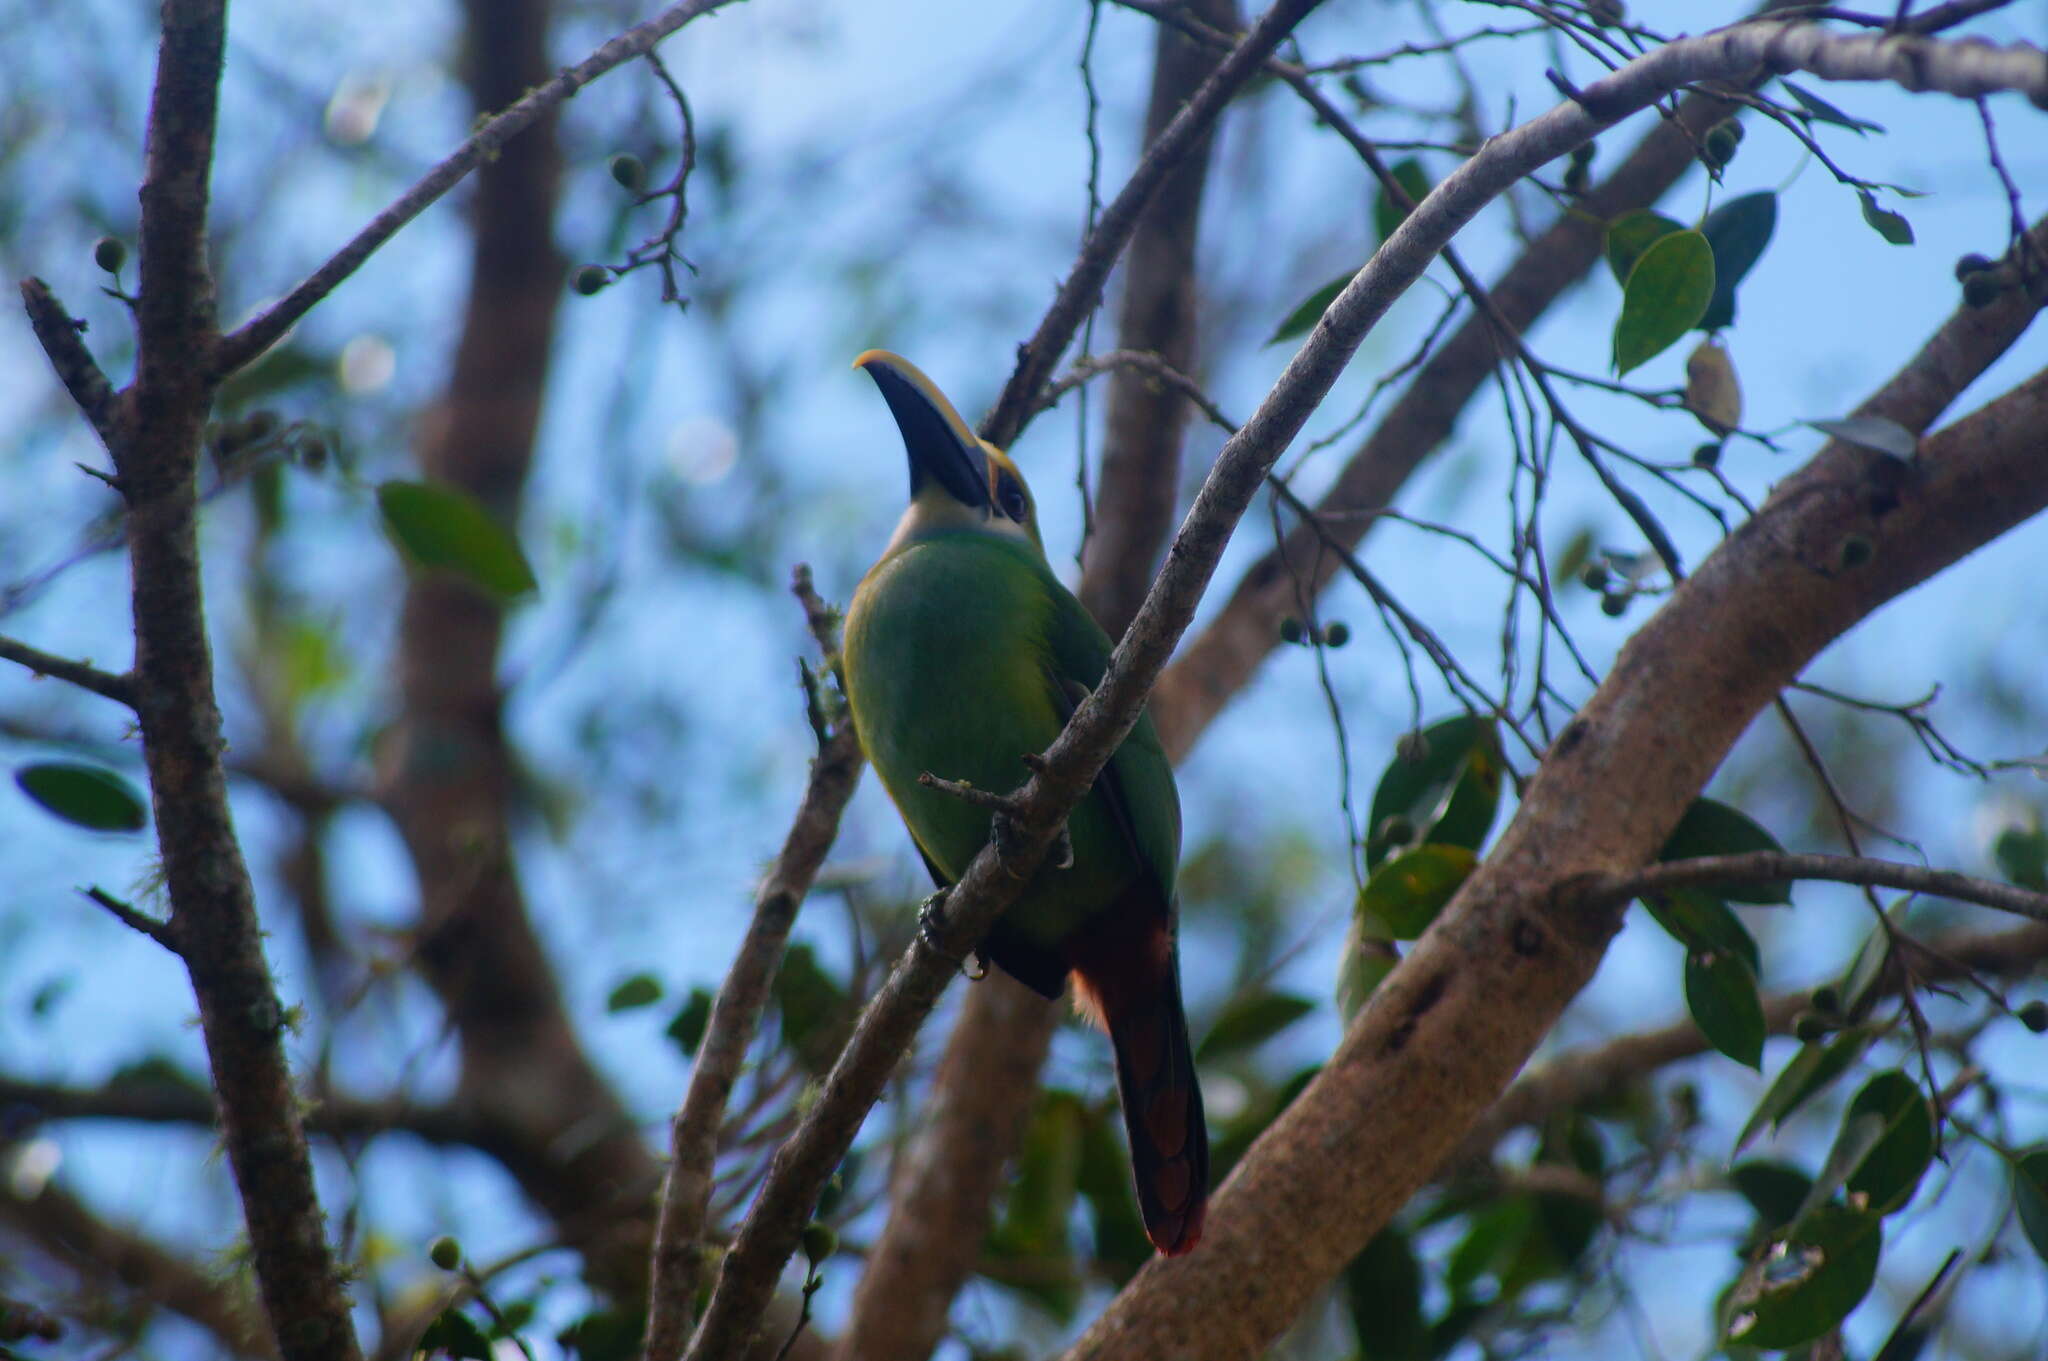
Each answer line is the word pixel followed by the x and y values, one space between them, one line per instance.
pixel 449 777
pixel 1447 1030
pixel 213 909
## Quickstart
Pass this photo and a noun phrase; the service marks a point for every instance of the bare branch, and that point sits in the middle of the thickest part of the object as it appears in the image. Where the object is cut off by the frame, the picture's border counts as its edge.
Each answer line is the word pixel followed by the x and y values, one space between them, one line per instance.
pixel 1140 480
pixel 58 332
pixel 265 329
pixel 1586 1076
pixel 158 931
pixel 679 1242
pixel 120 689
pixel 65 1227
pixel 213 910
pixel 1077 295
pixel 171 1101
pixel 1766 866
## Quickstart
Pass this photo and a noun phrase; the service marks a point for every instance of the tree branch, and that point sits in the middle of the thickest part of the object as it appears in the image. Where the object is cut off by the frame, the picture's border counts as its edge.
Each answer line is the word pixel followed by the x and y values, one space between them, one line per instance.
pixel 1082 287
pixel 945 1180
pixel 120 689
pixel 172 1101
pixel 1140 481
pixel 1105 717
pixel 213 912
pixel 446 770
pixel 679 1240
pixel 262 331
pixel 1763 866
pixel 1586 1076
pixel 1221 660
pixel 63 1226
pixel 58 332
pixel 1449 1027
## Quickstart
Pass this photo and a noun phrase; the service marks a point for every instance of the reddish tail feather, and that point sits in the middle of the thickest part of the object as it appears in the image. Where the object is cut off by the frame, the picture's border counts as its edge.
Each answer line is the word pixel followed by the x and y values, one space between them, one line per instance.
pixel 1129 980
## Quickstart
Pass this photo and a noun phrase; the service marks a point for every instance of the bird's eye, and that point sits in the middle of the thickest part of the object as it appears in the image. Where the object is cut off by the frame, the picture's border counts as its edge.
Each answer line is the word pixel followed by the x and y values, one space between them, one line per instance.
pixel 1010 497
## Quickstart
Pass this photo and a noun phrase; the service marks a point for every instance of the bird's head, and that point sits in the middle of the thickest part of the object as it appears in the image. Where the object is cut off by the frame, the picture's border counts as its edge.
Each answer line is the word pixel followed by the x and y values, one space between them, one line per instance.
pixel 957 479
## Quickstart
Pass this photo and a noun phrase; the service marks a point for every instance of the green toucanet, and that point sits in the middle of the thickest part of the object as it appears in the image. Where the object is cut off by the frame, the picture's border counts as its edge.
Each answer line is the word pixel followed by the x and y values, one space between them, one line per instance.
pixel 964 654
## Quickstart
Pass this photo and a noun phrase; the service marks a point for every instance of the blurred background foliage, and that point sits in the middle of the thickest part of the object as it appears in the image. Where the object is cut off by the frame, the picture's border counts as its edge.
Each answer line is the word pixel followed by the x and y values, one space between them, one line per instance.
pixel 916 175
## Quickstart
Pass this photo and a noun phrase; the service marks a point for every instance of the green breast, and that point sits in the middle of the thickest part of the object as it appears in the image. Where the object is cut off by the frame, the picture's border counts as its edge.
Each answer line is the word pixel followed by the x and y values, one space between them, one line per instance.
pixel 953 644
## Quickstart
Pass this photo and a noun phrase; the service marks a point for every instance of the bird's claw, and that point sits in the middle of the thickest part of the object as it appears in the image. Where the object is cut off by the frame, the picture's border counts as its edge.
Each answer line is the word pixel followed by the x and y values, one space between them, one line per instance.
pixel 931 915
pixel 1063 850
pixel 931 918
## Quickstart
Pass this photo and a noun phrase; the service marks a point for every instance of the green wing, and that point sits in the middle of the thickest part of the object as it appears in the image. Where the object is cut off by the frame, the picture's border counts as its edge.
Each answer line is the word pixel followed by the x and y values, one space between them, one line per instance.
pixel 1137 784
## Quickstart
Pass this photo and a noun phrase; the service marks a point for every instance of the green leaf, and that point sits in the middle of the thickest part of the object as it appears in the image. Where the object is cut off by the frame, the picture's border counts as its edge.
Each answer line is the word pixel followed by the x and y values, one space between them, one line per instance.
pixel 1629 235
pixel 442 527
pixel 816 1013
pixel 1667 293
pixel 1810 1070
pixel 83 795
pixel 1249 1021
pixel 2022 856
pixel 1822 111
pixel 1369 956
pixel 1710 827
pixel 1383 1290
pixel 1405 893
pixel 1414 181
pixel 1889 1171
pixel 452 1334
pixel 1720 991
pixel 1775 1190
pixel 687 1029
pixel 1909 1336
pixel 2030 1196
pixel 1809 1281
pixel 312 659
pixel 1859 986
pixel 1311 309
pixel 1737 231
pixel 1892 226
pixel 1104 1181
pixel 1042 1191
pixel 1443 788
pixel 1699 922
pixel 1491 1244
pixel 640 990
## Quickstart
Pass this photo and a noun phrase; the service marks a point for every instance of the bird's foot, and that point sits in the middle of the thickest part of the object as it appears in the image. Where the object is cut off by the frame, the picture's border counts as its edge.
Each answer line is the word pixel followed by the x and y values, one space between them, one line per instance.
pixel 1003 833
pixel 931 919
pixel 1063 850
pixel 931 916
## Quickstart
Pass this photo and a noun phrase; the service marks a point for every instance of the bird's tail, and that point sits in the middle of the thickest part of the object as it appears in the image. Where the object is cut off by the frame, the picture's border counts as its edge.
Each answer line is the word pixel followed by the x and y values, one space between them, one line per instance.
pixel 1134 994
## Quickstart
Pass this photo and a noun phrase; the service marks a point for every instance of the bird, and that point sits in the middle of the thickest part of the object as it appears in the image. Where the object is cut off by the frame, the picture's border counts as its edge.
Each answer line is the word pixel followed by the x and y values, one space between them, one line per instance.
pixel 963 655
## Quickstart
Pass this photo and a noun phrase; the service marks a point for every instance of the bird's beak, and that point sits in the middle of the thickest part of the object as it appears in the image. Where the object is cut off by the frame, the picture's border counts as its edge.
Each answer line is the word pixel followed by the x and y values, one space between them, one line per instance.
pixel 938 442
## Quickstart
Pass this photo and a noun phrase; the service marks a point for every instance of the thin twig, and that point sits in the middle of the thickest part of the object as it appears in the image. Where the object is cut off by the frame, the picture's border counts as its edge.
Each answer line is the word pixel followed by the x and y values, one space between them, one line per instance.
pixel 1770 866
pixel 262 331
pixel 1083 284
pixel 120 689
pixel 157 930
pixel 58 332
pixel 679 1243
pixel 1100 723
